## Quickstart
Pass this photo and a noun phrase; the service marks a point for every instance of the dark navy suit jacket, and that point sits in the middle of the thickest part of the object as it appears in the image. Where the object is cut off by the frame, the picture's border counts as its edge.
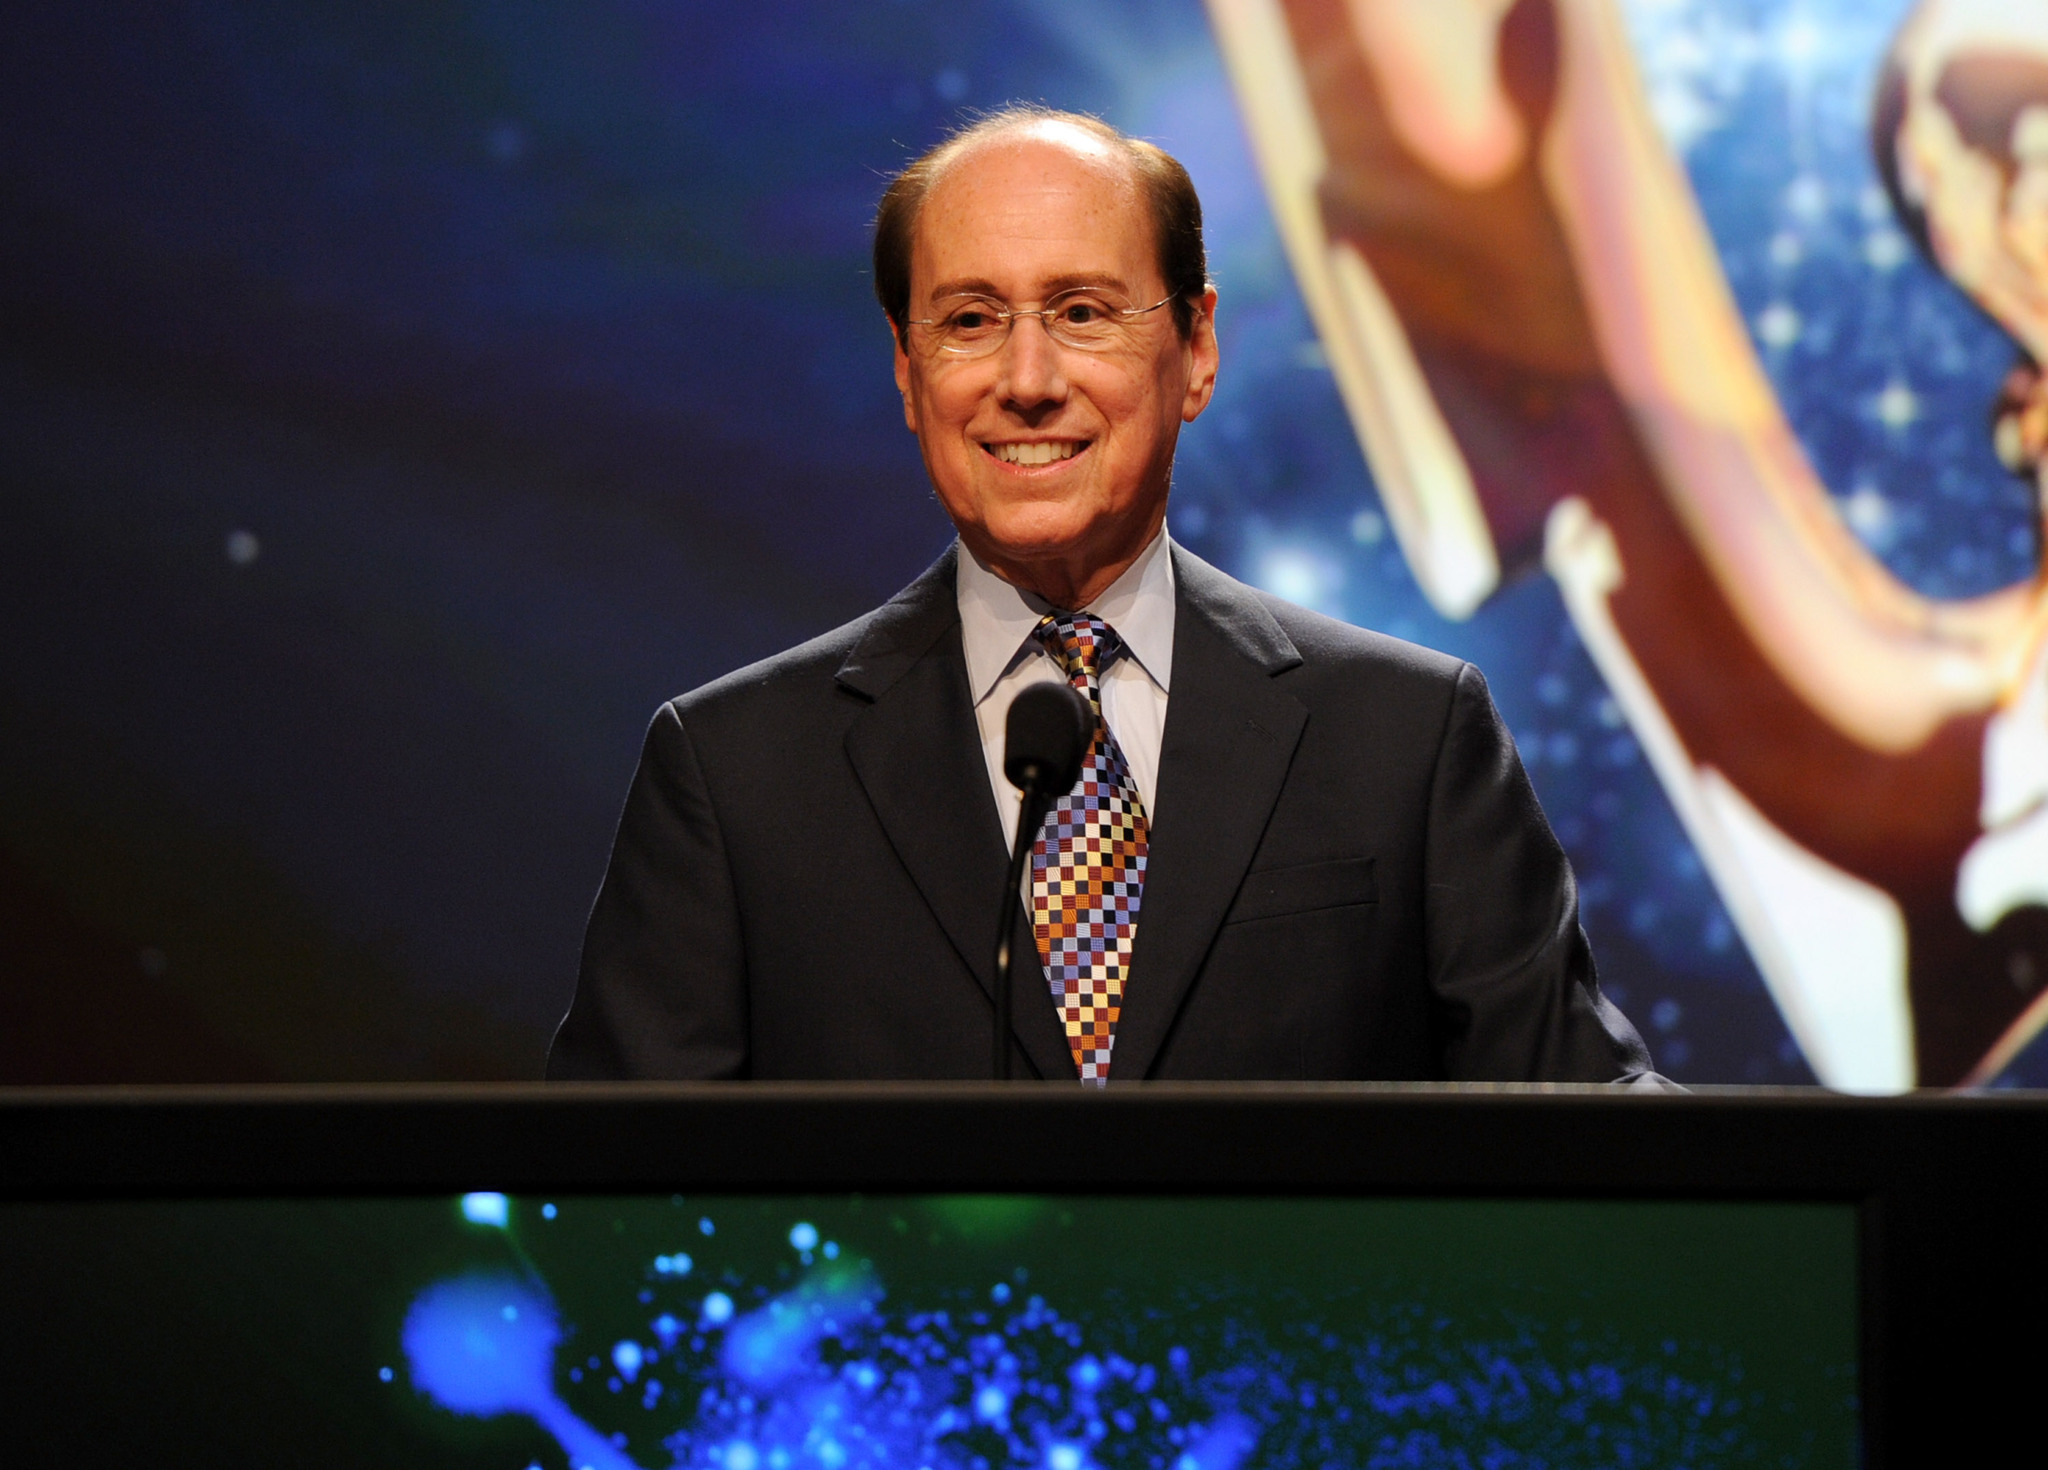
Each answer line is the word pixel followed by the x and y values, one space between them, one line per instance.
pixel 1349 877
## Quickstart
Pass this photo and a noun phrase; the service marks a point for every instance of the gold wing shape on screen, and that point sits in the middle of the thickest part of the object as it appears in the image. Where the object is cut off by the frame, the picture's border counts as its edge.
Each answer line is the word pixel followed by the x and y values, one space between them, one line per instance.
pixel 1538 348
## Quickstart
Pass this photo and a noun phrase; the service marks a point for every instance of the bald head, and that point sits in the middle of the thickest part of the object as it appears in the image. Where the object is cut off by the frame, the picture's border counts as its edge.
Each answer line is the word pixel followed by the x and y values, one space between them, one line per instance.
pixel 1160 185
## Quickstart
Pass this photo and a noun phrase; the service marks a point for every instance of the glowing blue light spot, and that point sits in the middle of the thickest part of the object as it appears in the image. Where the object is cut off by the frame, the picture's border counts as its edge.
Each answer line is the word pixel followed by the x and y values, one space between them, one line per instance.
pixel 991 1404
pixel 1000 1292
pixel 627 1358
pixel 1087 1375
pixel 667 1329
pixel 484 1344
pixel 547 1212
pixel 384 1374
pixel 739 1455
pixel 706 1226
pixel 717 1308
pixel 831 1250
pixel 1222 1446
pixel 465 1360
pixel 1063 1457
pixel 767 1346
pixel 804 1236
pixel 486 1209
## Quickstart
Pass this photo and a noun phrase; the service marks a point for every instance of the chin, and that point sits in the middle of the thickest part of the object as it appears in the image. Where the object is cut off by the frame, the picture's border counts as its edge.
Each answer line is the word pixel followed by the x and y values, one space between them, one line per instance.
pixel 1038 537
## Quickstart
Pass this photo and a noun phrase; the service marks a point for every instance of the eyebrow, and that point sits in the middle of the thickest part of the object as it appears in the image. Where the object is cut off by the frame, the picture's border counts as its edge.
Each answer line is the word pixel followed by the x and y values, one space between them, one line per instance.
pixel 978 286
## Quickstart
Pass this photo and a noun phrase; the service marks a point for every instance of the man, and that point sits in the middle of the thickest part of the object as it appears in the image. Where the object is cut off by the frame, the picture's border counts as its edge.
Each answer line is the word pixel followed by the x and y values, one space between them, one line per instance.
pixel 1297 849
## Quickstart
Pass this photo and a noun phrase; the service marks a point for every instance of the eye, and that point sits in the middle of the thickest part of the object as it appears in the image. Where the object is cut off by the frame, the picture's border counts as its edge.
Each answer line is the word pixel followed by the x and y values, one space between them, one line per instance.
pixel 1083 312
pixel 973 319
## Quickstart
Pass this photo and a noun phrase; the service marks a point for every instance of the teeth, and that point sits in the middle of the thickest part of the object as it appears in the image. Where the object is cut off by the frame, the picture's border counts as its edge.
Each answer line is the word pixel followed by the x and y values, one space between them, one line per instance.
pixel 1043 452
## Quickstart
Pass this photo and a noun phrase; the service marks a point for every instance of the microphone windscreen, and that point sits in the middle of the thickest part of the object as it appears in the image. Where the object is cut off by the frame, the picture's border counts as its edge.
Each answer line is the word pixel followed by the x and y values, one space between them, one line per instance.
pixel 1046 737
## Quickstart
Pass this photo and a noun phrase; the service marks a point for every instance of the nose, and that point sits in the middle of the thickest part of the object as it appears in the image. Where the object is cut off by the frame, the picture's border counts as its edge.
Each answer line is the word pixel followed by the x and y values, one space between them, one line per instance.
pixel 1034 371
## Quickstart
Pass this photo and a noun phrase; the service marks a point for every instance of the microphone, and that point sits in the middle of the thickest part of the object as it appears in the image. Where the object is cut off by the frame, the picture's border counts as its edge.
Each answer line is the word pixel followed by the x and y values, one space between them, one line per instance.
pixel 1045 739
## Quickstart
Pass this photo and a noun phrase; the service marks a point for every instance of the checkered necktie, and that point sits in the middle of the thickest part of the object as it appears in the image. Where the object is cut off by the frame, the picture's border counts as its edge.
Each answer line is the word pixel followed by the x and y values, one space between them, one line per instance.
pixel 1088 864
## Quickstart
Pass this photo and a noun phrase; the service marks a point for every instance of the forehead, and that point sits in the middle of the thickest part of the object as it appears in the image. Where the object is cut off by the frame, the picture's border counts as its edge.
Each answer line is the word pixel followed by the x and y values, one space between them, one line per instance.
pixel 1030 207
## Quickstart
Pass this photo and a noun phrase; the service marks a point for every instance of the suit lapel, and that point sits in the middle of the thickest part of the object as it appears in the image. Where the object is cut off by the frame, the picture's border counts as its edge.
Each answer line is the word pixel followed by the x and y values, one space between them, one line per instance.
pixel 917 753
pixel 1230 736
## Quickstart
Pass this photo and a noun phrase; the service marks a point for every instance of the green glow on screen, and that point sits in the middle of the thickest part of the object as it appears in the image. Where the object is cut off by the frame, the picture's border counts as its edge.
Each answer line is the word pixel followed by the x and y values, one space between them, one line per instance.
pixel 954 1332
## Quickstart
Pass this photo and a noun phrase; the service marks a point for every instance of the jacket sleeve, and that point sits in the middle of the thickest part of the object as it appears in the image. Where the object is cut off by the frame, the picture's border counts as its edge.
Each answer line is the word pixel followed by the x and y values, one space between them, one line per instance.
pixel 1508 963
pixel 662 988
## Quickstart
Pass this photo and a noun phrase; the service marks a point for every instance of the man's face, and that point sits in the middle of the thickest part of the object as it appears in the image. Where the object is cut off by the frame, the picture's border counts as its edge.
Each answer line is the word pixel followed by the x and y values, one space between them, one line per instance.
pixel 1019 219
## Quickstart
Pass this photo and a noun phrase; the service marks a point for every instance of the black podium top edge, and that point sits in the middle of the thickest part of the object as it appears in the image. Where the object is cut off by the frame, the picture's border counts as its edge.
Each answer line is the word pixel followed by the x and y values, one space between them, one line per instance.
pixel 1297 1138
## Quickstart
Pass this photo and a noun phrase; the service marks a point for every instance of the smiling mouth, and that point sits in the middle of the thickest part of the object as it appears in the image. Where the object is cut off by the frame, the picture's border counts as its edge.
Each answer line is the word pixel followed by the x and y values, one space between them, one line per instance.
pixel 1037 452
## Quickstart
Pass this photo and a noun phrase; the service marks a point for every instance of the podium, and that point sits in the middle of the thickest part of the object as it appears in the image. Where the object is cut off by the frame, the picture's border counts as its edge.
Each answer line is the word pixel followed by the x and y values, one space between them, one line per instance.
pixel 756 1276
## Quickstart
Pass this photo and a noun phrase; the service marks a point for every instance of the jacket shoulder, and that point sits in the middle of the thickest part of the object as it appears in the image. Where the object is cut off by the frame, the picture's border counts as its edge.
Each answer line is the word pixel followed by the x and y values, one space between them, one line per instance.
pixel 811 665
pixel 857 660
pixel 1325 643
pixel 1307 648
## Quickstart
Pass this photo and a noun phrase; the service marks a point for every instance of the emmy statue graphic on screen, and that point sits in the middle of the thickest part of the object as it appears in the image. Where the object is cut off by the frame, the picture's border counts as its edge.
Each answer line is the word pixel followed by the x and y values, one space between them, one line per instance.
pixel 1546 368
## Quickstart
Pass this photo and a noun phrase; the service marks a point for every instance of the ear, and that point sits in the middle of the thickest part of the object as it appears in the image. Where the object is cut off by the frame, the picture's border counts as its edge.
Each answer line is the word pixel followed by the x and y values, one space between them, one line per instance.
pixel 1203 356
pixel 903 384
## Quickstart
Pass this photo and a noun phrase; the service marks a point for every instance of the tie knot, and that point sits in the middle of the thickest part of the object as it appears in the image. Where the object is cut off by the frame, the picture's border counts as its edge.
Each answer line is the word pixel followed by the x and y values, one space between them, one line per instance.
pixel 1080 643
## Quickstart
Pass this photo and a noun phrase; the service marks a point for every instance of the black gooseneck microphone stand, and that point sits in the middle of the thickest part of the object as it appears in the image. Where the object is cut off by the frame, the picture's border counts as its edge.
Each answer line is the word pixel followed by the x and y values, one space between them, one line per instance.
pixel 1045 739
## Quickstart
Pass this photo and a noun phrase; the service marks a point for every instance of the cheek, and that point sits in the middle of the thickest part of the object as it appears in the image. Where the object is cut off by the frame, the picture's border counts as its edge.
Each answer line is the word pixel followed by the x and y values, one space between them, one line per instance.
pixel 1149 419
pixel 945 399
pixel 1135 405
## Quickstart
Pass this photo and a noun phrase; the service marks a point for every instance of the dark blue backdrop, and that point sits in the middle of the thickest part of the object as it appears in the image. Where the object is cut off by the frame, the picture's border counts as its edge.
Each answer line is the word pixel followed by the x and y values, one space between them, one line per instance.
pixel 399 400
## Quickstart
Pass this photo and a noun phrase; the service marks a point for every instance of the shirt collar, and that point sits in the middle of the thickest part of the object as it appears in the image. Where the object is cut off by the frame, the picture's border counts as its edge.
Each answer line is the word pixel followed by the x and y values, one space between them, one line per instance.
pixel 997 620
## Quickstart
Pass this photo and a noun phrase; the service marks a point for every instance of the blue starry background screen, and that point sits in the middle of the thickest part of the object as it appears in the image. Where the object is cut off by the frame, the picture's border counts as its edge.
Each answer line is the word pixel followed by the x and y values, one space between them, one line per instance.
pixel 399 400
pixel 948 1332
